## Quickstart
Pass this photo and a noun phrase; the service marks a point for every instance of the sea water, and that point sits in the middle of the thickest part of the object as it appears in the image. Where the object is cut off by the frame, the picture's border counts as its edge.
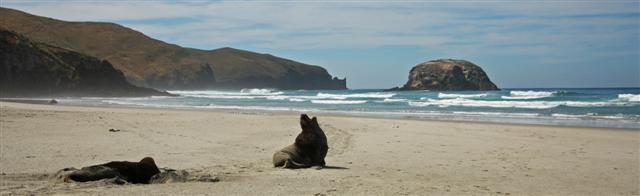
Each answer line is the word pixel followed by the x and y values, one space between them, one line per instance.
pixel 598 107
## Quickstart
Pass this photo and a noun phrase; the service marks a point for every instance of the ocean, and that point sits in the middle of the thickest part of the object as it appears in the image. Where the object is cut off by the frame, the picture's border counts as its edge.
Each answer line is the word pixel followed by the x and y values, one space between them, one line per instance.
pixel 596 107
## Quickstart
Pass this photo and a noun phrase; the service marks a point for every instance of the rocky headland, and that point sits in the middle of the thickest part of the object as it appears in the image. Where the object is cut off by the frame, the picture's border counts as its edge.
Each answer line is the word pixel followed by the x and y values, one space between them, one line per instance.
pixel 152 63
pixel 32 69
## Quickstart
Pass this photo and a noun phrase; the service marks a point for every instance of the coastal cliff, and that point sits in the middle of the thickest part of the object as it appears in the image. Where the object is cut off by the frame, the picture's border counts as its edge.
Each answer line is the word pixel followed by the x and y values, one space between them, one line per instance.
pixel 447 74
pixel 153 63
pixel 31 69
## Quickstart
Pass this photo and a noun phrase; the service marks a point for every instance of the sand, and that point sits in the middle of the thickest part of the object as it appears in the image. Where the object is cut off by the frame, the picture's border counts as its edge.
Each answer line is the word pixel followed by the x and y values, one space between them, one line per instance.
pixel 368 156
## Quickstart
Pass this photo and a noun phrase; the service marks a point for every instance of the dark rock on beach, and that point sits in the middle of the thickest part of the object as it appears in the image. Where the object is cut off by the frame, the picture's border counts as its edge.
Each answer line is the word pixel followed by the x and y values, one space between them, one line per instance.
pixel 447 74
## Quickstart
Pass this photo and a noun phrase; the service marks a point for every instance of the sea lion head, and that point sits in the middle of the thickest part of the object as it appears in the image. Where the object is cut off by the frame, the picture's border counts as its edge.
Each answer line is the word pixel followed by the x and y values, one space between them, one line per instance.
pixel 305 122
pixel 150 164
pixel 308 124
pixel 148 161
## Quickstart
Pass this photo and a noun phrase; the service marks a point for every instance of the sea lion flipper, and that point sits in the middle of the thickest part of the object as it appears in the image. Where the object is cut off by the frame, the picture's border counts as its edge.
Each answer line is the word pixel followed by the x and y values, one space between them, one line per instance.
pixel 290 163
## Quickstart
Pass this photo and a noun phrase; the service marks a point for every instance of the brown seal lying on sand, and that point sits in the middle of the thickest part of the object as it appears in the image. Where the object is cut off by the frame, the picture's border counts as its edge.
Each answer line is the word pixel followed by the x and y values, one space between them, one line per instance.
pixel 132 172
pixel 309 149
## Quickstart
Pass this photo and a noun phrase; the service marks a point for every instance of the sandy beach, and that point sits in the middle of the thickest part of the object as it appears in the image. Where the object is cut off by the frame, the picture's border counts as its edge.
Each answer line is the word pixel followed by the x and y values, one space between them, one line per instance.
pixel 368 156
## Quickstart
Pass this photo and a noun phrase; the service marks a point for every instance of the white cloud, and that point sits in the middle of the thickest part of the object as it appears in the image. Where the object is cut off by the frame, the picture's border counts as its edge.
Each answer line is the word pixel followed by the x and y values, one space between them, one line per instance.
pixel 345 24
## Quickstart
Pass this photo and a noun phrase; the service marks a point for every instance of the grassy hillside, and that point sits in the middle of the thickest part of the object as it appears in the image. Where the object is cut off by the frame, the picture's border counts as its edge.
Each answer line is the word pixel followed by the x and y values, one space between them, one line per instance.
pixel 153 63
pixel 31 69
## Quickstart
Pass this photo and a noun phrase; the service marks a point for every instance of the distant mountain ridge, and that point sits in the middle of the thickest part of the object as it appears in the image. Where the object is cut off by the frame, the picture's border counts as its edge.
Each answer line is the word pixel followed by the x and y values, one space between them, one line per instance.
pixel 31 69
pixel 152 63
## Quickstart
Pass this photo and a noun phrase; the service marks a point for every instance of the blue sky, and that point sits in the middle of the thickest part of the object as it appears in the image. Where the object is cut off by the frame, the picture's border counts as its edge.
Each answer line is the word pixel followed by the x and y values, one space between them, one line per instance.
pixel 520 44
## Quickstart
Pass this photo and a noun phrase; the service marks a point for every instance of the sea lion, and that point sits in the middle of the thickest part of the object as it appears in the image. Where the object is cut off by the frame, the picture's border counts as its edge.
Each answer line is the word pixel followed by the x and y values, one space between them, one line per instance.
pixel 132 172
pixel 309 149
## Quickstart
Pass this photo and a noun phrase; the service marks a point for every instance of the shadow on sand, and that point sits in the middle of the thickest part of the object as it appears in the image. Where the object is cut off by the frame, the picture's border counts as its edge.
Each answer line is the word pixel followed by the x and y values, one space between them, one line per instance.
pixel 334 167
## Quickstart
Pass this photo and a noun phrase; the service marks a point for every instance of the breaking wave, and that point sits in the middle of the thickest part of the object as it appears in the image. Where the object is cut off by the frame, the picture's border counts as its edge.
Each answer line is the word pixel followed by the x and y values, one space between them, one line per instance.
pixel 356 95
pixel 390 100
pixel 339 101
pixel 629 97
pixel 259 91
pixel 498 114
pixel 297 100
pixel 443 95
pixel 511 104
pixel 529 94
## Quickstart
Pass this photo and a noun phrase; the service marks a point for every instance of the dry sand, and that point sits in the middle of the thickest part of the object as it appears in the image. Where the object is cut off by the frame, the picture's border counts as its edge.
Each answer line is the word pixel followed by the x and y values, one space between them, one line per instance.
pixel 370 156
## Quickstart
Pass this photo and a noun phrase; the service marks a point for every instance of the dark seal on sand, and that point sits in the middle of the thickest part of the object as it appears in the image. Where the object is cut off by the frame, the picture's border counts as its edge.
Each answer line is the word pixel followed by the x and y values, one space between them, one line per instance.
pixel 309 149
pixel 132 172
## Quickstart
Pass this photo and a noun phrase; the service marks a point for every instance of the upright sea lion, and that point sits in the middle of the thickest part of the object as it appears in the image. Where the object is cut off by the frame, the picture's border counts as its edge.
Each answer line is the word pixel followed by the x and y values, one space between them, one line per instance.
pixel 132 172
pixel 309 149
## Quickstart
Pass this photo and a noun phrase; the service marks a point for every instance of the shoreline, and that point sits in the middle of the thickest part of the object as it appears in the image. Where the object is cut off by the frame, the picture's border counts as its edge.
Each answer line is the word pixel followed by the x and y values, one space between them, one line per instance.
pixel 435 117
pixel 377 156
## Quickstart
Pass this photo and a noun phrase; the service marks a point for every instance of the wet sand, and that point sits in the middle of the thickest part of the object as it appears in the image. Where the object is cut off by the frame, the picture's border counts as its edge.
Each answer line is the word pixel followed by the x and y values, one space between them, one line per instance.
pixel 368 156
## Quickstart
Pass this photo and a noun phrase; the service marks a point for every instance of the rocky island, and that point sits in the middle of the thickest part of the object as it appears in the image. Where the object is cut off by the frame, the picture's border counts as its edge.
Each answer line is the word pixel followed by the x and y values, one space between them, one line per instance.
pixel 447 75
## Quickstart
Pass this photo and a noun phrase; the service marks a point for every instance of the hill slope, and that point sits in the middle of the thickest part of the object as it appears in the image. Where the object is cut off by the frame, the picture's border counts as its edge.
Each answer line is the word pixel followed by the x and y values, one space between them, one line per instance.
pixel 34 69
pixel 149 62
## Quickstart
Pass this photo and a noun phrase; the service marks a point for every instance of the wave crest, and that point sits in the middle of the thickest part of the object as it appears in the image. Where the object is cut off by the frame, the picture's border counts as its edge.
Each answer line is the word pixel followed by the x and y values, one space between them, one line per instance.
pixel 511 104
pixel 356 95
pixel 444 95
pixel 390 100
pixel 339 101
pixel 529 94
pixel 260 91
pixel 629 97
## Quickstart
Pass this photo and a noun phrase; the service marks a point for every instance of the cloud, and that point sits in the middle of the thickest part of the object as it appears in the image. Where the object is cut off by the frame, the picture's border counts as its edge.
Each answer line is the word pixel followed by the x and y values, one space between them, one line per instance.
pixel 351 24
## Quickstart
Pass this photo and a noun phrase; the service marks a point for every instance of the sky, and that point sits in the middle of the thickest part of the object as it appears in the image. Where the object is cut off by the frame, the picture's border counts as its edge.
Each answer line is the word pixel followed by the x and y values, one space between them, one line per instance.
pixel 374 44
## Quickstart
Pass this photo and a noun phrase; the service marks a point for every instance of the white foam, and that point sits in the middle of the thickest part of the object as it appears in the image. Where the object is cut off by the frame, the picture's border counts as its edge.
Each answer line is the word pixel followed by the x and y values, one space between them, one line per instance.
pixel 266 108
pixel 285 97
pixel 509 104
pixel 223 96
pixel 443 95
pixel 243 94
pixel 531 93
pixel 297 100
pixel 258 91
pixel 390 100
pixel 522 97
pixel 499 114
pixel 629 97
pixel 339 101
pixel 116 98
pixel 117 102
pixel 612 117
pixel 478 103
pixel 356 95
pixel 161 97
pixel 277 97
pixel 528 94
pixel 419 104
pixel 587 116
pixel 205 92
